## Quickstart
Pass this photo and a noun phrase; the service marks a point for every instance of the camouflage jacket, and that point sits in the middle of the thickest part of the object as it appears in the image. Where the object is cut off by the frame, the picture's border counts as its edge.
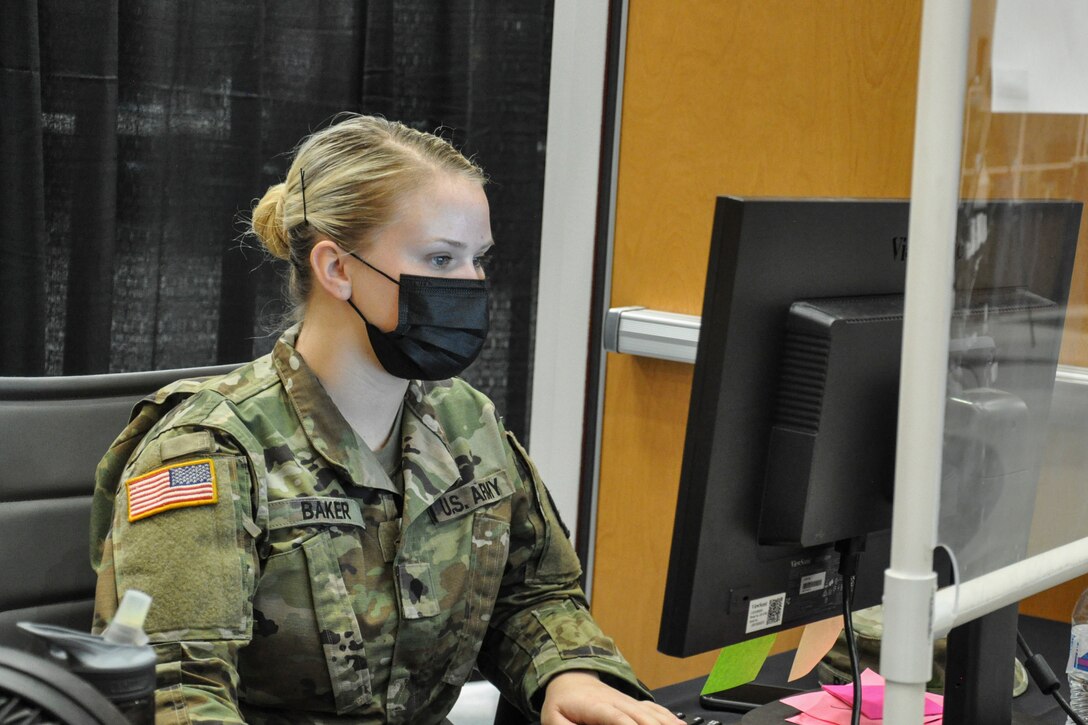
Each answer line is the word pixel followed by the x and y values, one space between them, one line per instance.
pixel 294 583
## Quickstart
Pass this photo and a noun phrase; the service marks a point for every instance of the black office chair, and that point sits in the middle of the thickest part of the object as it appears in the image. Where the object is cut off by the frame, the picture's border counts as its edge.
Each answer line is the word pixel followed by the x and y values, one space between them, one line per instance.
pixel 53 431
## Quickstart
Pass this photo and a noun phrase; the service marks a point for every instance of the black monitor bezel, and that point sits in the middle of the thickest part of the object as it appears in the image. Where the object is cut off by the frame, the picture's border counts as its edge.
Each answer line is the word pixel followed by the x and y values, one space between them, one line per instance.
pixel 815 248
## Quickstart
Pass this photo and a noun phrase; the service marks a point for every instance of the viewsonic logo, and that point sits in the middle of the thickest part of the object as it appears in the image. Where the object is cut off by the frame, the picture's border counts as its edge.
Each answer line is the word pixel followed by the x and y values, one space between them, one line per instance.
pixel 899 249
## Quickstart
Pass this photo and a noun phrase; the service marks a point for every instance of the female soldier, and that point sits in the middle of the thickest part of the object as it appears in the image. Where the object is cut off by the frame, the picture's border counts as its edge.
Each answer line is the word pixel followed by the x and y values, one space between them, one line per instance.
pixel 340 530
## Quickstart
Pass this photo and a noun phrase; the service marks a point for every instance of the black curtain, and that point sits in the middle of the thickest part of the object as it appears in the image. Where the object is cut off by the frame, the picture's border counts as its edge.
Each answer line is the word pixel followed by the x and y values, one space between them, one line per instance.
pixel 136 136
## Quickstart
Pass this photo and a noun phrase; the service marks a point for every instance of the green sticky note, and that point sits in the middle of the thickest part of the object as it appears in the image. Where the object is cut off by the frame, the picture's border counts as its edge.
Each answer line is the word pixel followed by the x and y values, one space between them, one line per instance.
pixel 738 664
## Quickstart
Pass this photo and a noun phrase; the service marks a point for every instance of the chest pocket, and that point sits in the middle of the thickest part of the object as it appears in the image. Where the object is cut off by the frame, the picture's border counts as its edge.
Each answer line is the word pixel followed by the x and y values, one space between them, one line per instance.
pixel 490 547
pixel 449 580
pixel 307 649
pixel 446 602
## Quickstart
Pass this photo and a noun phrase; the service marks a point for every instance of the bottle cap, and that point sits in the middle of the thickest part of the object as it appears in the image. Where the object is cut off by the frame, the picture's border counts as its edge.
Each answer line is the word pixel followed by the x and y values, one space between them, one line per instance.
pixel 127 626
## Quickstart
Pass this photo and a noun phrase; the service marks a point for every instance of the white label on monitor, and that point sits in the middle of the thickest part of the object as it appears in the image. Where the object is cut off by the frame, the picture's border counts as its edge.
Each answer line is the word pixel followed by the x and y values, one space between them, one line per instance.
pixel 765 612
pixel 813 582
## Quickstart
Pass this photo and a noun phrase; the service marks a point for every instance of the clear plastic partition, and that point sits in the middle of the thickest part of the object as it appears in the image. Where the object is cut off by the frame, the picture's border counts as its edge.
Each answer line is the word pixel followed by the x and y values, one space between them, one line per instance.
pixel 1015 470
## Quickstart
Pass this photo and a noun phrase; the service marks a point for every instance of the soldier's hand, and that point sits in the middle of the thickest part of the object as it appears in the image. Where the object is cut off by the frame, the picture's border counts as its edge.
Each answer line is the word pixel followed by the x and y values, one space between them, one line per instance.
pixel 581 698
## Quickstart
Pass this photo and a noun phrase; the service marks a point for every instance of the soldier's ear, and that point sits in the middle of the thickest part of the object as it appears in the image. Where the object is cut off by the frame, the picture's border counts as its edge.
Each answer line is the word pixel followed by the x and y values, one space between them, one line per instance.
pixel 327 265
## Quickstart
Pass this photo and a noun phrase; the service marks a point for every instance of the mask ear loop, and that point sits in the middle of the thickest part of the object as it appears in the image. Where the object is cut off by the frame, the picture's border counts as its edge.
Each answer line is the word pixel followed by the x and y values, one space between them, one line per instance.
pixel 358 311
pixel 353 254
pixel 349 300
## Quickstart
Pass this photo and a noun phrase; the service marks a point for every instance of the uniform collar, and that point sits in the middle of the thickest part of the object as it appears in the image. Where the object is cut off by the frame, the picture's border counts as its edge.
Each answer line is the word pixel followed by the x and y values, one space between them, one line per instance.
pixel 321 421
pixel 429 468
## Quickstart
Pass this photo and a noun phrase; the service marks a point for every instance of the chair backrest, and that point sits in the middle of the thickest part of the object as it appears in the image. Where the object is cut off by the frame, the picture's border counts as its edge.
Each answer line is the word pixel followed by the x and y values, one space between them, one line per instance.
pixel 53 431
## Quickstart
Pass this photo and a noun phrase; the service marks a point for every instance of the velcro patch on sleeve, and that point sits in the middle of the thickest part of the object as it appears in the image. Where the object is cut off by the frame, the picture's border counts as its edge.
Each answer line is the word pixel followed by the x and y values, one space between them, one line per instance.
pixel 182 484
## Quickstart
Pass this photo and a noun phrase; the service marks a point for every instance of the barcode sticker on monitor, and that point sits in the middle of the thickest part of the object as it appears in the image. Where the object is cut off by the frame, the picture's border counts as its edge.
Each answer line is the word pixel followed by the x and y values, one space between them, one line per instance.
pixel 765 612
pixel 813 582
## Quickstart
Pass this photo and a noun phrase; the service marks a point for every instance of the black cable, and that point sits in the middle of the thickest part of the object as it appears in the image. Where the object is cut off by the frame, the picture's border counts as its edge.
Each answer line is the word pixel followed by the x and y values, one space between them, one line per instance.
pixel 852 647
pixel 849 554
pixel 1045 678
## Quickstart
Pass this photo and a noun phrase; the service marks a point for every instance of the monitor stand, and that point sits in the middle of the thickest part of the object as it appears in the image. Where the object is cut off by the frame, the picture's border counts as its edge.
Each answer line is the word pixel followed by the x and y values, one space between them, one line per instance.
pixel 978 677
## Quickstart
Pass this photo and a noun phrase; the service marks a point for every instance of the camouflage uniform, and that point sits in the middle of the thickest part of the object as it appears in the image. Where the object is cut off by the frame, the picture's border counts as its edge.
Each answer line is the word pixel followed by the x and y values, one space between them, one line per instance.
pixel 311 590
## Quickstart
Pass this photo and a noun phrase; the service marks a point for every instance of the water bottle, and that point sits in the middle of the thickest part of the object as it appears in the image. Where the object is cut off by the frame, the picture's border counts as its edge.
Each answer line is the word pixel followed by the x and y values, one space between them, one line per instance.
pixel 119 664
pixel 1077 667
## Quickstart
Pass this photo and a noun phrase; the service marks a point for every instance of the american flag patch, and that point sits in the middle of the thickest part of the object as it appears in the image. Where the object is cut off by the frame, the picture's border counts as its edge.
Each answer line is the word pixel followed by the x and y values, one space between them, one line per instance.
pixel 183 484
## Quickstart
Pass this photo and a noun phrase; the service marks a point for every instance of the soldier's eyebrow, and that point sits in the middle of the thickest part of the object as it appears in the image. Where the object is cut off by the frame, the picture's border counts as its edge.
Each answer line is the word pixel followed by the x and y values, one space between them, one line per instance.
pixel 486 247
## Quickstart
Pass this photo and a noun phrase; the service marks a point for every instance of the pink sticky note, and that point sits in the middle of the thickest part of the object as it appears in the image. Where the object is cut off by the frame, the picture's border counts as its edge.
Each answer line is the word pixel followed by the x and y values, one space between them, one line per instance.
pixel 872 705
pixel 868 677
pixel 831 706
pixel 823 709
pixel 803 719
pixel 833 711
pixel 872 696
pixel 870 683
pixel 803 701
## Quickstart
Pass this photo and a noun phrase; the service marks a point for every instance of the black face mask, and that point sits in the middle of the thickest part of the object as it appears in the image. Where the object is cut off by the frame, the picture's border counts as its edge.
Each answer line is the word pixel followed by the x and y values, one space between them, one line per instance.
pixel 441 326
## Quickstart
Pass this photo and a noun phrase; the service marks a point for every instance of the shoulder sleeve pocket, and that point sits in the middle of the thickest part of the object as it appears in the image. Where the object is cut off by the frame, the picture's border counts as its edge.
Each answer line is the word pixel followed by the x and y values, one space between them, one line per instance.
pixel 574 633
pixel 191 555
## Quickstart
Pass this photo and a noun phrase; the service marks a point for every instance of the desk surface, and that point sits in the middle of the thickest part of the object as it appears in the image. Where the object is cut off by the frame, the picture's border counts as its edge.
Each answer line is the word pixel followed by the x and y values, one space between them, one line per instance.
pixel 1048 638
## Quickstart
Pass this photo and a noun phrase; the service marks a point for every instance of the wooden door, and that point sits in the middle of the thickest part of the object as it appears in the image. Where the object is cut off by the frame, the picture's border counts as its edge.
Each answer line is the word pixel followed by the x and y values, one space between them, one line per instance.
pixel 740 97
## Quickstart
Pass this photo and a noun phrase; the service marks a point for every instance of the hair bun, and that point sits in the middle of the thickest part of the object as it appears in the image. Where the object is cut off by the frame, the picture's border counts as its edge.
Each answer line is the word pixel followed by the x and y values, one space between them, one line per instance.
pixel 267 222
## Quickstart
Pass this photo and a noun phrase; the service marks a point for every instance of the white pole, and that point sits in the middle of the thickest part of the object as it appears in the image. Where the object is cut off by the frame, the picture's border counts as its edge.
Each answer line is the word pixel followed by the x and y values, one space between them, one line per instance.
pixel 910 583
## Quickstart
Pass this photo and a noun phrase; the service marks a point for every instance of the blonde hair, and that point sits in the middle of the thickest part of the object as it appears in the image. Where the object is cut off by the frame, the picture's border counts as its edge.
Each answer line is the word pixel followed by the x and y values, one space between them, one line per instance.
pixel 354 171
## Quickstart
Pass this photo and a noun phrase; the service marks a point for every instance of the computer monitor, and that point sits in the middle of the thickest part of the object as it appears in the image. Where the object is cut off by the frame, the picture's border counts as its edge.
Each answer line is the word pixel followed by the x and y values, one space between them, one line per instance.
pixel 791 429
